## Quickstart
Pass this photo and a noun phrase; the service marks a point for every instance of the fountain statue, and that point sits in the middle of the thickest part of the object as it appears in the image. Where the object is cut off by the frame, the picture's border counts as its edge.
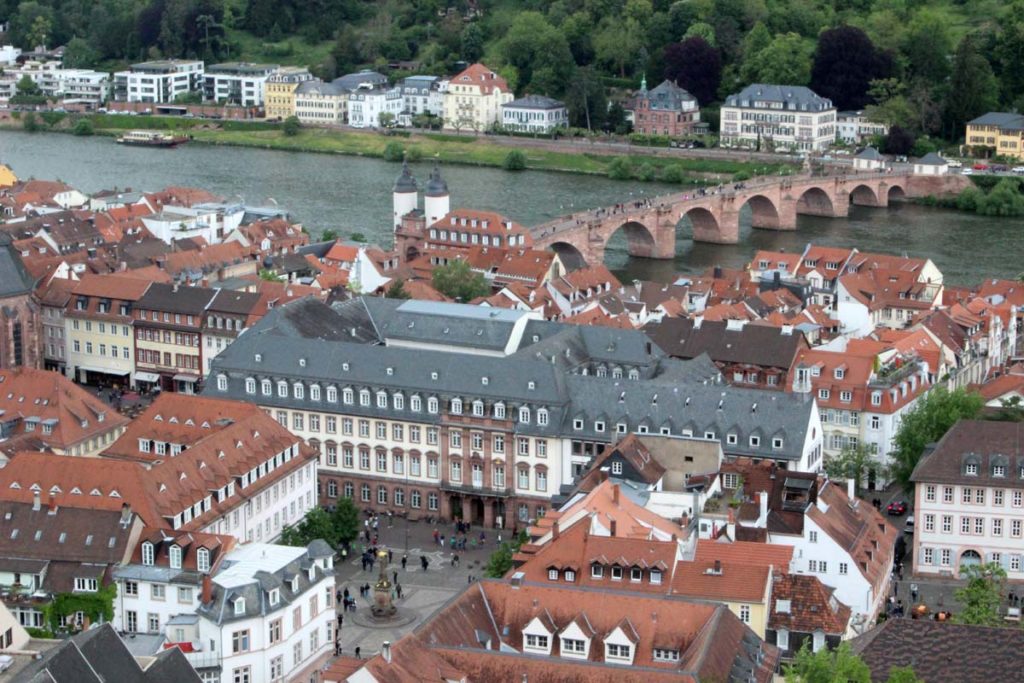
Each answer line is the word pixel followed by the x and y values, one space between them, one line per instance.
pixel 383 607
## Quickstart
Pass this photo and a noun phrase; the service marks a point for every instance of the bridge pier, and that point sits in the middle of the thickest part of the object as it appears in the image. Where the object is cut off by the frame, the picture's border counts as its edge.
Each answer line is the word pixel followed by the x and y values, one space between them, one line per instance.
pixel 781 216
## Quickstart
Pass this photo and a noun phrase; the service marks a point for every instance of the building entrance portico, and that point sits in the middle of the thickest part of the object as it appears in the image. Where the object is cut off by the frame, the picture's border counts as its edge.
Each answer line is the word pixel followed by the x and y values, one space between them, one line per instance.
pixel 486 511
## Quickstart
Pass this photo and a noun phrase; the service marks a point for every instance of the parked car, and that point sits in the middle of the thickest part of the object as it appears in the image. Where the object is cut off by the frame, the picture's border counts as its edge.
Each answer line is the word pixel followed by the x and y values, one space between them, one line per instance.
pixel 897 508
pixel 980 167
pixel 998 168
pixel 908 528
pixel 1018 169
pixel 954 163
pixel 967 171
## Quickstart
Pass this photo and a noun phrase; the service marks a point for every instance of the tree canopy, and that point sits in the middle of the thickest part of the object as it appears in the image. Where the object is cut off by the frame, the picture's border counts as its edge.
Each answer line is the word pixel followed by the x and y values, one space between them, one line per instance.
pixel 457 280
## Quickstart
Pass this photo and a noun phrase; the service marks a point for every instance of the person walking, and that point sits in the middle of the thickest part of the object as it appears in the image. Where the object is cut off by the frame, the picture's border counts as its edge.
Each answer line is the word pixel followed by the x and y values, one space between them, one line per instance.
pixel 405 559
pixel 394 576
pixel 358 650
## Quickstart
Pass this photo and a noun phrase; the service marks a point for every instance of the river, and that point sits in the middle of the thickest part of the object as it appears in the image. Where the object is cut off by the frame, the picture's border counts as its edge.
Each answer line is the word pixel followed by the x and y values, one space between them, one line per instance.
pixel 354 194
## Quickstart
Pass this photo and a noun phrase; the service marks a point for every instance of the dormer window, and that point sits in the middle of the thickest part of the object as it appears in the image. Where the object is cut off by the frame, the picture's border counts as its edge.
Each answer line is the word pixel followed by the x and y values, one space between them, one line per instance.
pixel 295 584
pixel 222 382
pixel 840 373
pixel 175 557
pixel 616 573
pixel 364 397
pixel 499 411
pixel 542 417
pixel 274 597
pixel 577 424
pixel 655 576
pixel 999 470
pixel 250 385
pixel 596 571
pixel 524 415
pixel 239 606
pixel 971 469
pixel 311 574
pixel 552 574
pixel 636 574
pixel 536 642
pixel 614 651
pixel 755 441
pixel 314 392
pixel 570 575
pixel 282 389
pixel 147 554
pixel 478 408
pixel 266 387
pixel 456 406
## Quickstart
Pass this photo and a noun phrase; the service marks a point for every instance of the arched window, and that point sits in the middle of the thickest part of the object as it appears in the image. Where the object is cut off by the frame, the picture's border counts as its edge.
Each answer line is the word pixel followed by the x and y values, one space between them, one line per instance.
pixel 222 382
pixel 364 397
pixel 175 557
pixel 416 403
pixel 432 405
pixel 298 390
pixel 332 394
pixel 524 415
pixel 250 385
pixel 499 411
pixel 382 399
pixel 266 387
pixel 147 553
pixel 542 416
pixel 203 560
pixel 457 406
pixel 314 392
pixel 478 408
pixel 398 402
pixel 282 389
pixel 347 396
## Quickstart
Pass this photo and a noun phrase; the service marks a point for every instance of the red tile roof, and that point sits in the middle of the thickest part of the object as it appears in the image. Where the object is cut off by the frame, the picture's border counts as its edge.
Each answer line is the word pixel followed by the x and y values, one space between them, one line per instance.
pixel 482 77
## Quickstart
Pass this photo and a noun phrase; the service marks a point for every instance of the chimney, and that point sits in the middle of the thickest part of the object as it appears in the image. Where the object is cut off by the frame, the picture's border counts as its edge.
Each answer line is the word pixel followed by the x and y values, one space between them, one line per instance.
pixel 718 566
pixel 603 475
pixel 52 506
pixel 385 651
pixel 730 526
pixel 615 494
pixel 762 518
pixel 851 491
pixel 36 503
pixel 207 595
pixel 717 272
pixel 554 530
pixel 613 527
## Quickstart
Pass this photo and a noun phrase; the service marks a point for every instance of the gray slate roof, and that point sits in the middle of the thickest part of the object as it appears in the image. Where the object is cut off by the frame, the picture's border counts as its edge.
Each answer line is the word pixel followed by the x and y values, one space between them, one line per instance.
pixel 871 154
pixel 668 96
pixel 14 279
pixel 793 97
pixel 760 345
pixel 931 159
pixel 100 656
pixel 567 369
pixel 1005 120
pixel 354 80
pixel 176 299
pixel 539 102
pixel 319 88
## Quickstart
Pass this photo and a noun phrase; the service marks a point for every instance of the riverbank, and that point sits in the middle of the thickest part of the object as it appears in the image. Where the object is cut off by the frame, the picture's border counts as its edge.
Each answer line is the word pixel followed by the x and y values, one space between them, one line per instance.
pixel 564 157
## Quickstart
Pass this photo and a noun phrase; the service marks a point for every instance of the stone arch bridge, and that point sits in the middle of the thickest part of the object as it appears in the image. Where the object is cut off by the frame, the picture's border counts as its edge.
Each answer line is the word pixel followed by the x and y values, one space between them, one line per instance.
pixel 650 228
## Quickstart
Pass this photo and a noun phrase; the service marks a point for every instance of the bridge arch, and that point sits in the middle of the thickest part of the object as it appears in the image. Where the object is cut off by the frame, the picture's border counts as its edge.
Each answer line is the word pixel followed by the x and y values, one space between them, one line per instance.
pixel 896 192
pixel 639 239
pixel 815 202
pixel 569 254
pixel 764 213
pixel 865 195
pixel 705 224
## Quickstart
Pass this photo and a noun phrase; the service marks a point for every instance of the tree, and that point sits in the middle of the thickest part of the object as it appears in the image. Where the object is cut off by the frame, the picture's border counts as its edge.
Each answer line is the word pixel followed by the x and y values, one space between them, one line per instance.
pixel 981 596
pixel 927 44
pixel 586 100
pixel 532 45
pixel 926 423
pixel 386 119
pixel 79 54
pixel 617 44
pixel 972 87
pixel 457 281
pixel 898 141
pixel 903 674
pixel 40 31
pixel 270 276
pixel 827 666
pixel 500 562
pixel 83 127
pixel 397 290
pixel 701 30
pixel 786 59
pixel 514 161
pixel 291 126
pixel 855 463
pixel 345 520
pixel 1009 55
pixel 472 42
pixel 620 169
pixel 357 237
pixel 329 235
pixel 26 86
pixel 845 63
pixel 695 65
pixel 316 524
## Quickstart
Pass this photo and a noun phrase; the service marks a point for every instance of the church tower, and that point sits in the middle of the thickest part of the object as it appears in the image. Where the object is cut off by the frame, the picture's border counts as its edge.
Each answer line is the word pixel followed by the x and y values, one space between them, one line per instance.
pixel 437 203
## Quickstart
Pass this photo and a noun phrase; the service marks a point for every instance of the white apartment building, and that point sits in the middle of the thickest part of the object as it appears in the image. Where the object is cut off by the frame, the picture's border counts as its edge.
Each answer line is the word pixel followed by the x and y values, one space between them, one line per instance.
pixel 158 81
pixel 778 117
pixel 163 580
pixel 238 83
pixel 367 104
pixel 321 103
pixel 421 95
pixel 212 222
pixel 270 614
pixel 854 127
pixel 969 501
pixel 534 114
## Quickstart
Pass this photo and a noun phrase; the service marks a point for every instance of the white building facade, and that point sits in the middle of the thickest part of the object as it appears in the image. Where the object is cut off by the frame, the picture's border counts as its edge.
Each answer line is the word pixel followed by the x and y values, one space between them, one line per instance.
pixel 366 105
pixel 237 83
pixel 778 117
pixel 159 81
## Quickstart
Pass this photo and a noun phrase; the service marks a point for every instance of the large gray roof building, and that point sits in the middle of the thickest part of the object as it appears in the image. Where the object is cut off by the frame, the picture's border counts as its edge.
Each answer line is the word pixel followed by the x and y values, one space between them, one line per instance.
pixel 559 392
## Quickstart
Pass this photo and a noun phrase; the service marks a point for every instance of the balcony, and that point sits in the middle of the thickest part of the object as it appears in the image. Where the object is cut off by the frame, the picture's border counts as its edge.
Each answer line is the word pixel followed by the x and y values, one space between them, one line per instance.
pixel 476 490
pixel 203 660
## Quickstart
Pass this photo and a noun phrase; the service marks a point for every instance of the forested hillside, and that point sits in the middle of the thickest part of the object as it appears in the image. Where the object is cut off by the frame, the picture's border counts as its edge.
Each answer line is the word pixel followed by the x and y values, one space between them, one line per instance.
pixel 925 66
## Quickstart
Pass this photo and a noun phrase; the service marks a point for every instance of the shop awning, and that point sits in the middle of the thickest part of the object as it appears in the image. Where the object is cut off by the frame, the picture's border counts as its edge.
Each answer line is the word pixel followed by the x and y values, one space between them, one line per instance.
pixel 146 377
pixel 102 371
pixel 182 377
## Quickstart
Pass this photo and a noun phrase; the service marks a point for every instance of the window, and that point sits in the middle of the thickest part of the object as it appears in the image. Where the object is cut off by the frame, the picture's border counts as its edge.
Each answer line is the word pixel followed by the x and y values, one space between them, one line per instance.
pixel 745 614
pixel 928 556
pixel 971 469
pixel 947 524
pixel 997 497
pixel 844 568
pixel 845 396
pixel 596 571
pixel 813 536
pixel 997 526
pixel 571 646
pixel 947 494
pixel 616 573
pixel 277 668
pixel 185 595
pixel 552 575
pixel 615 651
pixel 655 576
pixel 536 642
pixel 274 632
pixel 929 493
pixel 946 557
pixel 240 641
pixel 175 557
pixel 131 589
pixel 147 554
pixel 158 591
pixel 929 522
pixel 617 467
pixel 239 606
pixel 89 585
pixel 662 655
pixel 242 674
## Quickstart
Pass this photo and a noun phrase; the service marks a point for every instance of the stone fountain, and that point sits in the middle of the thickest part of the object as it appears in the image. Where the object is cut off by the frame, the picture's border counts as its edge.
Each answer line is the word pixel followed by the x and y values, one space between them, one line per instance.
pixel 383 613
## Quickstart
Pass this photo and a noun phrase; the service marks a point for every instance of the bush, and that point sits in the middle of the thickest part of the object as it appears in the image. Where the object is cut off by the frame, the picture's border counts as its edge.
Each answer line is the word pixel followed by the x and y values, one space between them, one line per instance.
pixel 514 161
pixel 31 123
pixel 620 169
pixel 645 172
pixel 393 152
pixel 83 127
pixel 741 176
pixel 291 126
pixel 672 174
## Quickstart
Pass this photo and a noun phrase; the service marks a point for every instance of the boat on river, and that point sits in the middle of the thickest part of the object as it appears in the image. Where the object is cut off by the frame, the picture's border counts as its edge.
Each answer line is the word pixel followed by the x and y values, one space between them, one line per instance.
pixel 151 138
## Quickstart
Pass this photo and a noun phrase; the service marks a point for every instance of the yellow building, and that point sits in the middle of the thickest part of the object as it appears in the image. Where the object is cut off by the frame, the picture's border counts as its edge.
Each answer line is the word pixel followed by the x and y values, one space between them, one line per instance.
pixel 997 134
pixel 7 177
pixel 474 99
pixel 279 95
